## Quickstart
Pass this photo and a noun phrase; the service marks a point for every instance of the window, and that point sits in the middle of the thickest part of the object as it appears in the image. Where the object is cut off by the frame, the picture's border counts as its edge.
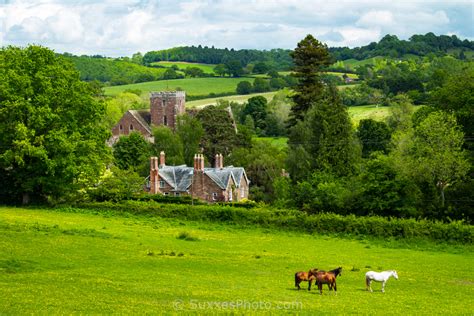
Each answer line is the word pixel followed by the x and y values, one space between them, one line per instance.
pixel 214 196
pixel 121 128
pixel 162 184
pixel 163 103
pixel 131 127
pixel 165 120
pixel 166 193
pixel 176 194
pixel 230 195
pixel 242 192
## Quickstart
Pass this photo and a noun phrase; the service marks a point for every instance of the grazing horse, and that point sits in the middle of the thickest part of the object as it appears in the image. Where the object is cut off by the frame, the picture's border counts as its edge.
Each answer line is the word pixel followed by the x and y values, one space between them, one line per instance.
pixel 329 278
pixel 304 276
pixel 379 277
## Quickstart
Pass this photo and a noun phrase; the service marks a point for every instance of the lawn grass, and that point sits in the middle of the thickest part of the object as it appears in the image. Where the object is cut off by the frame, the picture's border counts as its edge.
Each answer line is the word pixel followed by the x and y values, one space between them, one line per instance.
pixel 192 86
pixel 54 262
pixel 182 65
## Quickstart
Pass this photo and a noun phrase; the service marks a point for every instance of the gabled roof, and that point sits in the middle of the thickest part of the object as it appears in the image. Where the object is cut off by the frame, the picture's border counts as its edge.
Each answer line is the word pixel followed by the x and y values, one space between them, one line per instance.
pixel 180 177
pixel 143 117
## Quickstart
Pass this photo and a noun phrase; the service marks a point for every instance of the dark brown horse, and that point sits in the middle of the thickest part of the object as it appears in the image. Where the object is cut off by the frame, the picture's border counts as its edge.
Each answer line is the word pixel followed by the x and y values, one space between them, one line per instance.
pixel 323 277
pixel 305 276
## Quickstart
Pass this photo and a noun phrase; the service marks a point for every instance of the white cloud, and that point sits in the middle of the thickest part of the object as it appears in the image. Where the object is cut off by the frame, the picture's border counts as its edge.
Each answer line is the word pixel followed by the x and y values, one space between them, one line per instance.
pixel 117 28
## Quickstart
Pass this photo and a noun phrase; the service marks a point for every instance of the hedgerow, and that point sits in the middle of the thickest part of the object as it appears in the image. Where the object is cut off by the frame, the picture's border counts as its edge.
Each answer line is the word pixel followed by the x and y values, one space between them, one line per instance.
pixel 321 223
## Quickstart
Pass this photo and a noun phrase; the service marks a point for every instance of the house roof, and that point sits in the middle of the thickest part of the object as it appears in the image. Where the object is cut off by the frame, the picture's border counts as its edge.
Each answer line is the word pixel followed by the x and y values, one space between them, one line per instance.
pixel 181 177
pixel 143 117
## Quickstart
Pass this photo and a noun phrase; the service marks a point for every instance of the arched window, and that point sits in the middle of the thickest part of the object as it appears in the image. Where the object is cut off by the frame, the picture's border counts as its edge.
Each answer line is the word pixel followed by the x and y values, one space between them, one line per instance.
pixel 131 127
pixel 121 128
pixel 165 120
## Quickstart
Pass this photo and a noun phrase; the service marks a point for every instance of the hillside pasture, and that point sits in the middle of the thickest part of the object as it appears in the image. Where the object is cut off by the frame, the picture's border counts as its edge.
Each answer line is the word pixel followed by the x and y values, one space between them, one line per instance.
pixel 233 98
pixel 182 65
pixel 88 262
pixel 192 86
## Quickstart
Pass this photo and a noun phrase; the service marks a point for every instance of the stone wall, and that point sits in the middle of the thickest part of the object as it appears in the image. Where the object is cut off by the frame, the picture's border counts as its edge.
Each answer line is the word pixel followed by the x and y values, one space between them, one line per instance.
pixel 165 107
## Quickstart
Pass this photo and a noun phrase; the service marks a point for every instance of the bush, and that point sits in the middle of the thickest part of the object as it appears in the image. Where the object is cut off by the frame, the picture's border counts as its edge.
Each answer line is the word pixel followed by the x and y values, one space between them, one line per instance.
pixel 322 223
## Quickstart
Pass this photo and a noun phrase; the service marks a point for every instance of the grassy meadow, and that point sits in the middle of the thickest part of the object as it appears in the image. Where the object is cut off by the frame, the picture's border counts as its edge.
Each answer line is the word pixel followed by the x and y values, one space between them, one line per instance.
pixel 182 65
pixel 233 98
pixel 192 86
pixel 60 262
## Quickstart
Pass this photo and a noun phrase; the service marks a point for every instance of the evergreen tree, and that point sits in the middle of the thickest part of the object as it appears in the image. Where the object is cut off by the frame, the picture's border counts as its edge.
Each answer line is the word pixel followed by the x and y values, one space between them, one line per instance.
pixel 310 58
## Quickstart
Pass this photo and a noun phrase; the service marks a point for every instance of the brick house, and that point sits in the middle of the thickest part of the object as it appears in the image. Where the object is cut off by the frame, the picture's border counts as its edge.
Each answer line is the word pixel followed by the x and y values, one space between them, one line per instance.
pixel 218 184
pixel 164 108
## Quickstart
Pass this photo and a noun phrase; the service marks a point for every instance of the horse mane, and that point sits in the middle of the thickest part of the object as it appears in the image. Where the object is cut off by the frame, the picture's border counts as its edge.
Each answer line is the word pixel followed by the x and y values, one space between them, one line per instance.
pixel 336 271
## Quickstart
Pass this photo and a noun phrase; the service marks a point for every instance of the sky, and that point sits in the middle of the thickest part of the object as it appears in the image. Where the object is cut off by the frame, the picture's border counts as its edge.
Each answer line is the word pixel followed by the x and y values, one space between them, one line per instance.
pixel 123 27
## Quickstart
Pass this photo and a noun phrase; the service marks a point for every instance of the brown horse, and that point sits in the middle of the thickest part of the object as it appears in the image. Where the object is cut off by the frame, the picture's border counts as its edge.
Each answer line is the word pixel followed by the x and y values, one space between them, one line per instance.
pixel 305 276
pixel 329 278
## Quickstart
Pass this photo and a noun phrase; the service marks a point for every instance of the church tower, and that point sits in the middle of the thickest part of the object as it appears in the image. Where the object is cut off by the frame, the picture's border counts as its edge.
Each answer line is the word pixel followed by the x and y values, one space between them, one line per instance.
pixel 165 107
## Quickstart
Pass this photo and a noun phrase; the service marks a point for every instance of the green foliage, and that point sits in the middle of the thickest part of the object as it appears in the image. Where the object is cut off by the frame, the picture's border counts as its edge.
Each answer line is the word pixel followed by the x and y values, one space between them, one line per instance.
pixel 190 132
pixel 256 108
pixel 115 72
pixel 390 45
pixel 374 136
pixel 52 136
pixel 310 58
pixel 170 143
pixel 132 152
pixel 456 96
pixel 432 153
pixel 117 185
pixel 244 87
pixel 275 58
pixel 263 163
pixel 261 85
pixel 323 141
pixel 220 136
pixel 121 103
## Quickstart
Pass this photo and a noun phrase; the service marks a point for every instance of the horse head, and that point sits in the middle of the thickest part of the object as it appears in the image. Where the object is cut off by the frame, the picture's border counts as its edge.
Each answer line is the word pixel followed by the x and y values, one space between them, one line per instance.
pixel 395 275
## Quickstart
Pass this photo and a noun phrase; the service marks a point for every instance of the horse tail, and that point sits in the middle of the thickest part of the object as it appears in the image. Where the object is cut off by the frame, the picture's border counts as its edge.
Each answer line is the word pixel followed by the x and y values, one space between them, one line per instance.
pixel 367 280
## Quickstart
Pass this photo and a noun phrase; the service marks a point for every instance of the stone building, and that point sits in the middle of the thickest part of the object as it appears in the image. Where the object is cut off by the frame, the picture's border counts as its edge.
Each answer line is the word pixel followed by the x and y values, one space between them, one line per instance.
pixel 164 108
pixel 218 184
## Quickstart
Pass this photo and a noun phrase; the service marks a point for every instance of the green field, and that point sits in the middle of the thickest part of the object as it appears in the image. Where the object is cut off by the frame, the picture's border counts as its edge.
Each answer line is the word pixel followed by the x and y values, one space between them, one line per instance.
pixel 182 65
pixel 54 262
pixel 192 86
pixel 233 98
pixel 375 112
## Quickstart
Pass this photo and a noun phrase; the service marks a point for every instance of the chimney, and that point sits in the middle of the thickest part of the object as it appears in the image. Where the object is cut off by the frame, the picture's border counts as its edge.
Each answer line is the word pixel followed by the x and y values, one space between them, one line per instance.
pixel 202 162
pixel 154 176
pixel 219 163
pixel 216 162
pixel 162 159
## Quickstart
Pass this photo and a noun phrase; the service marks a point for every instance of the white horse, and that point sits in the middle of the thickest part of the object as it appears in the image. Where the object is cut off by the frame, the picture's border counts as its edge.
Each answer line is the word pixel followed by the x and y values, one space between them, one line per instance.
pixel 379 277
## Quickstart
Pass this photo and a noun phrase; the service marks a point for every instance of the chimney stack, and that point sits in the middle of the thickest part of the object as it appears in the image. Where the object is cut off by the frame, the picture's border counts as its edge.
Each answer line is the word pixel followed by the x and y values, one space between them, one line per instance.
pixel 162 159
pixel 198 162
pixel 154 176
pixel 219 161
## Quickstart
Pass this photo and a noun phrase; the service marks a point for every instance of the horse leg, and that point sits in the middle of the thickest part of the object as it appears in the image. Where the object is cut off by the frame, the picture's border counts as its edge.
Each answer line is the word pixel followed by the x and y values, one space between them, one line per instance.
pixel 320 287
pixel 335 288
pixel 383 286
pixel 309 284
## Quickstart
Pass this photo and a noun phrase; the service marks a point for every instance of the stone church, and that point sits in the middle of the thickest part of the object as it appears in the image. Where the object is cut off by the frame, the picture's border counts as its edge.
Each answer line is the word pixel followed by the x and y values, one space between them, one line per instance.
pixel 164 108
pixel 217 184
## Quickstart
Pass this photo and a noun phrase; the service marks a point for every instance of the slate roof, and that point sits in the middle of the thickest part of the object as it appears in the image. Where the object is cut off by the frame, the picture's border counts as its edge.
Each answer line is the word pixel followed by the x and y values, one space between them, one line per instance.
pixel 180 177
